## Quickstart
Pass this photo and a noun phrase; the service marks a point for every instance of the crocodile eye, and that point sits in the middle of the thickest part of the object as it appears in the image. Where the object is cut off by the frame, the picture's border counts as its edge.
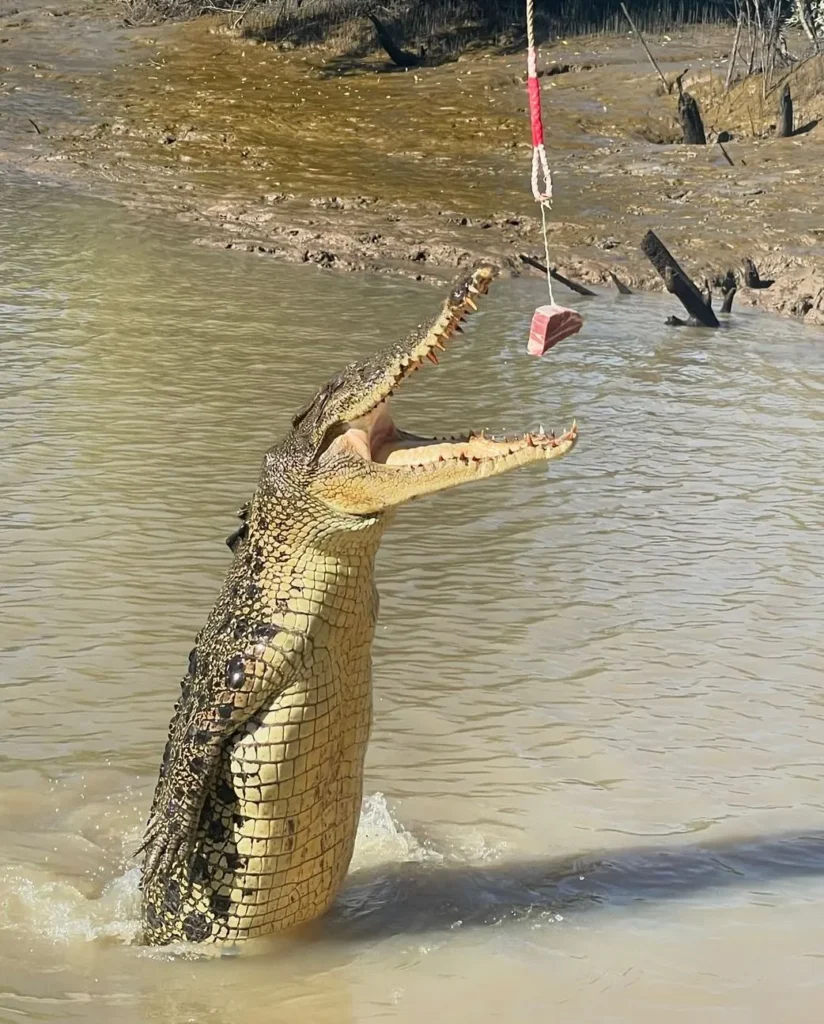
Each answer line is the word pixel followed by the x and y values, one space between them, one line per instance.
pixel 318 403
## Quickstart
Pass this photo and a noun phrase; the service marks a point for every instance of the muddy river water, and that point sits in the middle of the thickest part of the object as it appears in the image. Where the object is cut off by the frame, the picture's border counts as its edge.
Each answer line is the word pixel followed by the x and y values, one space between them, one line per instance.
pixel 594 788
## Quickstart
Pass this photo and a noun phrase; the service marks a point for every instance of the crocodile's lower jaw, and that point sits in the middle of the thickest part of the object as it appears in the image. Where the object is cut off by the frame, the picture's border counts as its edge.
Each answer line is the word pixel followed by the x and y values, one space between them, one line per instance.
pixel 375 438
pixel 372 466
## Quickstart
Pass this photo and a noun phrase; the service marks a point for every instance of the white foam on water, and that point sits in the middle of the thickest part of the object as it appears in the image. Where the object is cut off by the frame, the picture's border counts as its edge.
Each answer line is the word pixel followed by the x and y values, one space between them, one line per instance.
pixel 60 912
pixel 475 848
pixel 382 839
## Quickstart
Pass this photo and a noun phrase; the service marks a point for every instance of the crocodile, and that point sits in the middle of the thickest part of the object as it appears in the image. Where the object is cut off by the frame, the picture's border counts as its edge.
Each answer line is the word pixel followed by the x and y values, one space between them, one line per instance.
pixel 255 811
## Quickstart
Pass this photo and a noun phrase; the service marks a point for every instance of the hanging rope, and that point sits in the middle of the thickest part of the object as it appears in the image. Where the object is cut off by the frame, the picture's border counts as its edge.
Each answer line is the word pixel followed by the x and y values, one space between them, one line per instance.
pixel 541 174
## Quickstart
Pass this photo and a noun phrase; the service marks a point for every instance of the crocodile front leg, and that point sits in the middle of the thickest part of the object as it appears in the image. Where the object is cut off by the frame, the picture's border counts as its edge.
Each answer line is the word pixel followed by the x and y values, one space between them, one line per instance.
pixel 210 710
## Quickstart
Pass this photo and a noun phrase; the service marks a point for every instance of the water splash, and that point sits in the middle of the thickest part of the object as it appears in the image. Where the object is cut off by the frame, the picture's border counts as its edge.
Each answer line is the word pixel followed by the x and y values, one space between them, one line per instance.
pixel 60 912
pixel 381 839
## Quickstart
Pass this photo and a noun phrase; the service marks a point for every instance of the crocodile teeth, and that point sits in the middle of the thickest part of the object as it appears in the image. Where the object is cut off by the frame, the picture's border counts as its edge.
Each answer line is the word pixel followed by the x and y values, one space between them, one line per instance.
pixel 432 358
pixel 470 302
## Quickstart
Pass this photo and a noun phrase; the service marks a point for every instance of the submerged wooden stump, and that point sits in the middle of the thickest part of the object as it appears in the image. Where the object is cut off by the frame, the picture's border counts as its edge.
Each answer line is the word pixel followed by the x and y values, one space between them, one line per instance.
pixel 752 279
pixel 729 286
pixel 689 115
pixel 785 114
pixel 677 282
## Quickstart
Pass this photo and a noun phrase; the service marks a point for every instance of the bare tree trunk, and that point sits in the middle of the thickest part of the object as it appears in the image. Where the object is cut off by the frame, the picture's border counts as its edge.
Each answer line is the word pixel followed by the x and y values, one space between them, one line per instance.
pixel 806 19
pixel 643 42
pixel 691 124
pixel 733 55
pixel 751 36
pixel 784 128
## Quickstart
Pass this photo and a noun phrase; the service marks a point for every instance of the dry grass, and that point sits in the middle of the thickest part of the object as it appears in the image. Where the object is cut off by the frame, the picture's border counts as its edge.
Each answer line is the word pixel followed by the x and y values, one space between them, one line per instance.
pixel 750 110
pixel 445 27
pixel 442 27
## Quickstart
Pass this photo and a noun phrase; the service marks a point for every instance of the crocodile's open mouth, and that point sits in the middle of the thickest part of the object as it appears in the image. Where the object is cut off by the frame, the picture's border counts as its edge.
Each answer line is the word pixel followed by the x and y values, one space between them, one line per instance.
pixel 375 438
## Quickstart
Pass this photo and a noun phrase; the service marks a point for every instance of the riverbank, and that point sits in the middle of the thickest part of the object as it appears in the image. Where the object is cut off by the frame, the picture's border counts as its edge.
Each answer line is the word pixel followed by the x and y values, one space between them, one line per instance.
pixel 353 164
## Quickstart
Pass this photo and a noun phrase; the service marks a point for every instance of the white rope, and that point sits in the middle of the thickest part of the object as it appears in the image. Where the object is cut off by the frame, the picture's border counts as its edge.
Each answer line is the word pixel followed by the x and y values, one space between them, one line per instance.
pixel 530 33
pixel 546 253
pixel 540 165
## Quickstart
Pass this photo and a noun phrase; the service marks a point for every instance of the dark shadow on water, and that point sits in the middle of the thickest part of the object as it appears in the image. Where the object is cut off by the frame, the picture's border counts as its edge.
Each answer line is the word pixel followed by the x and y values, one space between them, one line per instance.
pixel 416 898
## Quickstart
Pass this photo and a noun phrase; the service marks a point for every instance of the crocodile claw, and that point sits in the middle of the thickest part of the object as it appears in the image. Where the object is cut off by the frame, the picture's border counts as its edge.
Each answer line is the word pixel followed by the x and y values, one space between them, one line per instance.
pixel 164 846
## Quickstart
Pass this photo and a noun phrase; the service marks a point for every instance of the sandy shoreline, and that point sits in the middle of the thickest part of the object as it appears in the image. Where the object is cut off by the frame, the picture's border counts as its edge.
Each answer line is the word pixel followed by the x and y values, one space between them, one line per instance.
pixel 350 165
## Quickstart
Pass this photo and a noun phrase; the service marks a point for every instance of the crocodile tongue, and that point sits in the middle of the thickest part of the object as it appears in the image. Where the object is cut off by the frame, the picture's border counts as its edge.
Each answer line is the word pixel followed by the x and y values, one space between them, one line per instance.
pixel 369 435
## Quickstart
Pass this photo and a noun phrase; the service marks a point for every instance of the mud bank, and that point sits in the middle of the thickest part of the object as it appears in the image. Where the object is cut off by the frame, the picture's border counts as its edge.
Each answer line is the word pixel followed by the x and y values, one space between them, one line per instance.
pixel 357 165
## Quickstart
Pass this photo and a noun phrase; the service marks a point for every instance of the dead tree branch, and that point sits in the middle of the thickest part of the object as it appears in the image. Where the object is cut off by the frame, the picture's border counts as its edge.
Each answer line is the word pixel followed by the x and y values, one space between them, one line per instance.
pixel 677 282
